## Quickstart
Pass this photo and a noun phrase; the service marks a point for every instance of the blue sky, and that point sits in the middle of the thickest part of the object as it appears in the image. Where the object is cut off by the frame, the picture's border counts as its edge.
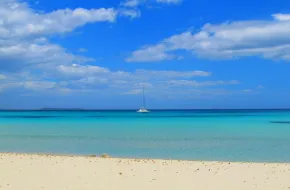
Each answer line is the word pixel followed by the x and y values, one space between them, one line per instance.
pixel 187 54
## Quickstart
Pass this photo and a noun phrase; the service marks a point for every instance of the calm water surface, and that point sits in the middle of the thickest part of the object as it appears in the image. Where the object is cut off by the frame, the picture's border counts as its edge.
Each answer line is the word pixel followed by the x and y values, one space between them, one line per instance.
pixel 225 135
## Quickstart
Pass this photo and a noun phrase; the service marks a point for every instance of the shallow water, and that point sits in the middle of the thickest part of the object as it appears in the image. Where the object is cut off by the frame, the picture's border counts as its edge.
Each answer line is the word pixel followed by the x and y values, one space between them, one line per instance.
pixel 225 135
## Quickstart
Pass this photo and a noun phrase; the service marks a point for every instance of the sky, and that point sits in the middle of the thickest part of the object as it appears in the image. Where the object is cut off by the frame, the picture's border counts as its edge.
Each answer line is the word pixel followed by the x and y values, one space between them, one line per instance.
pixel 186 54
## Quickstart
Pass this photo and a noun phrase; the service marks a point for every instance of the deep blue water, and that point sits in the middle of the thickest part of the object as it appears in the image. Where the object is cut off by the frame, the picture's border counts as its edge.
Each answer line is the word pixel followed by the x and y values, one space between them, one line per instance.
pixel 224 135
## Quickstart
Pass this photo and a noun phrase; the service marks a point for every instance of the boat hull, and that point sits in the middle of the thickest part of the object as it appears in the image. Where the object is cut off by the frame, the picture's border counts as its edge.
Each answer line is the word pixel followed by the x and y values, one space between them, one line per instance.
pixel 143 111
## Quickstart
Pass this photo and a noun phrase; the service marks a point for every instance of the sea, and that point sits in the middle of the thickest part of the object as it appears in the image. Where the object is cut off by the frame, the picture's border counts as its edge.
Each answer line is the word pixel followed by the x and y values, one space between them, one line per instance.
pixel 209 135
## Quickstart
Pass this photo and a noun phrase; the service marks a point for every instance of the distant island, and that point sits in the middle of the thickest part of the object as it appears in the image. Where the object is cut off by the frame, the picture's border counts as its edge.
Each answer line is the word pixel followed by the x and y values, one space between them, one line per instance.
pixel 58 109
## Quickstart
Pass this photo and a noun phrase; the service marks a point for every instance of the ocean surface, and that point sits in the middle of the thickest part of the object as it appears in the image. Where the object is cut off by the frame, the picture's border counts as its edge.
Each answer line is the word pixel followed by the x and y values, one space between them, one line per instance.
pixel 214 135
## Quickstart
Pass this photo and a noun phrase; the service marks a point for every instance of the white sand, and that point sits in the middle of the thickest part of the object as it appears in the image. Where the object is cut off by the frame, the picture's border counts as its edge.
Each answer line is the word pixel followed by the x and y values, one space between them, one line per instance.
pixel 38 172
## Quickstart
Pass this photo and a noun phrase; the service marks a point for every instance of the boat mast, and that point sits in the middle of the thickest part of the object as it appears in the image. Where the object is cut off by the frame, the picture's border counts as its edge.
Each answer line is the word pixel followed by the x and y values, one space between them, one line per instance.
pixel 144 103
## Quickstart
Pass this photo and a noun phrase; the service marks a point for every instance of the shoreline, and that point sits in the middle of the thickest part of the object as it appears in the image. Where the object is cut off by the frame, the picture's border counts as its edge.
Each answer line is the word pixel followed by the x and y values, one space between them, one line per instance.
pixel 108 156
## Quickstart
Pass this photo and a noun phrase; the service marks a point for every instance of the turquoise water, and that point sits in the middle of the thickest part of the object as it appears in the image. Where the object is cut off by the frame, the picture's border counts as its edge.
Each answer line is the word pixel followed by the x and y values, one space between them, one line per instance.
pixel 224 135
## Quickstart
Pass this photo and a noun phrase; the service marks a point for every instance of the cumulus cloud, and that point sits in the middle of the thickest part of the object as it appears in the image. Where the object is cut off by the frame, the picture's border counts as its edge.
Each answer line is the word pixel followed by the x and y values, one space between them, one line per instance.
pixel 30 62
pixel 282 17
pixel 24 34
pixel 265 38
pixel 80 70
pixel 23 54
pixel 136 3
pixel 92 77
pixel 89 78
pixel 19 20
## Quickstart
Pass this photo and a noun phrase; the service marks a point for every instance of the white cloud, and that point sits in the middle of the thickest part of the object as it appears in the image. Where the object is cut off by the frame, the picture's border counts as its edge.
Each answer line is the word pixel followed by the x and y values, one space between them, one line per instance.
pixel 260 87
pixel 82 50
pixel 140 74
pixel 132 13
pixel 38 85
pixel 2 77
pixel 265 38
pixel 171 74
pixel 136 3
pixel 169 1
pixel 24 54
pixel 80 70
pixel 151 79
pixel 131 3
pixel 20 20
pixel 282 17
pixel 91 79
pixel 24 34
pixel 88 78
pixel 34 86
pixel 33 63
pixel 151 54
pixel 194 83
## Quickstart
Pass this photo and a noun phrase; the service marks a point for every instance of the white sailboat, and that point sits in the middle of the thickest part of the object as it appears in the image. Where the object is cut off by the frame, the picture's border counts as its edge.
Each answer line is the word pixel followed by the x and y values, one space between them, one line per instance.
pixel 143 109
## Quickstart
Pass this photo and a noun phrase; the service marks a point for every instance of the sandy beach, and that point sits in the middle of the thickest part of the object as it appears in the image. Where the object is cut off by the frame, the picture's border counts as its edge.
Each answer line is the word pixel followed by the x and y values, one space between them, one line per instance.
pixel 37 172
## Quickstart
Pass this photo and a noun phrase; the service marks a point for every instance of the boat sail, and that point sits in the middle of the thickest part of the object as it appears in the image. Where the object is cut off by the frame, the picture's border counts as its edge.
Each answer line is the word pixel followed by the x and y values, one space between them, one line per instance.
pixel 143 109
